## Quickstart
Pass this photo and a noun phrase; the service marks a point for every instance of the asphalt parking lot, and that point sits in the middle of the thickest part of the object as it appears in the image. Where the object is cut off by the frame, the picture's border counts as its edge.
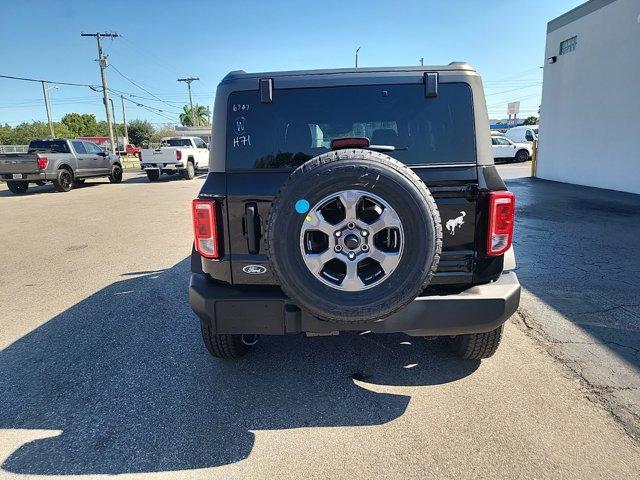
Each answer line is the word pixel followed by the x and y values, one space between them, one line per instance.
pixel 102 370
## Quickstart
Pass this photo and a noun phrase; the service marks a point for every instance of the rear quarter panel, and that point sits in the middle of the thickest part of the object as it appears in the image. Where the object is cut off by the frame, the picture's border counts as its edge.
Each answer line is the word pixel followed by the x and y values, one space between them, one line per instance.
pixel 57 160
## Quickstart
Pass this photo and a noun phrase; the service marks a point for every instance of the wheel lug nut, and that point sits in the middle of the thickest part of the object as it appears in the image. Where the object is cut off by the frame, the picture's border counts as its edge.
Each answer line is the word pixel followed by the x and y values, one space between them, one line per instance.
pixel 337 248
pixel 364 233
pixel 351 255
pixel 365 248
pixel 351 225
pixel 338 233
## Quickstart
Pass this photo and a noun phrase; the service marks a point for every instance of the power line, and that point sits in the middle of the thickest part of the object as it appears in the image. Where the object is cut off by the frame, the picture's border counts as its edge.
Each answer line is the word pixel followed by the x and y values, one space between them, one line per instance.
pixel 512 90
pixel 516 75
pixel 513 100
pixel 156 111
pixel 138 103
pixel 140 87
pixel 96 89
pixel 150 55
pixel 39 80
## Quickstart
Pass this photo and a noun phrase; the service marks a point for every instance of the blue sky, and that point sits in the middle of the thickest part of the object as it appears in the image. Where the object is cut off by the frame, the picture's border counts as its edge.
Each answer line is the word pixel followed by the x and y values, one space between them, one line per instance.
pixel 163 40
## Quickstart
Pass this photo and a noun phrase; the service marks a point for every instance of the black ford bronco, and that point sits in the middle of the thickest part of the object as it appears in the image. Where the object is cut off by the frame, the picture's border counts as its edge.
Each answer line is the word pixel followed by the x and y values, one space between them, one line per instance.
pixel 347 199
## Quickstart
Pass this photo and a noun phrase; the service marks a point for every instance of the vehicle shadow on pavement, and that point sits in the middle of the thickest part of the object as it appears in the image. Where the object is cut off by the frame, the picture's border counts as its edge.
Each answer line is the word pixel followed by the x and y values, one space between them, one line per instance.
pixel 126 378
pixel 142 178
pixel 577 251
pixel 33 190
pixel 48 188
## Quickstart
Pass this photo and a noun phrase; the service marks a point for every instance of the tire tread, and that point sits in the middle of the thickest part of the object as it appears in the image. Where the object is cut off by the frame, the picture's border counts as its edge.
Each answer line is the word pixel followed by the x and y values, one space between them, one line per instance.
pixel 223 346
pixel 477 346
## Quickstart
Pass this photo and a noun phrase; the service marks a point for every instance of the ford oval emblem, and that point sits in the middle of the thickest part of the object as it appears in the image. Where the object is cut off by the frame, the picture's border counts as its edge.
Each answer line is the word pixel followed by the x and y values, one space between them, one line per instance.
pixel 254 269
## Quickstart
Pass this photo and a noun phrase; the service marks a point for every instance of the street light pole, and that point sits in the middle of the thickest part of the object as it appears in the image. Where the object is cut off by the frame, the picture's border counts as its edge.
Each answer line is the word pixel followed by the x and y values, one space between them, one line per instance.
pixel 124 119
pixel 113 112
pixel 45 91
pixel 357 50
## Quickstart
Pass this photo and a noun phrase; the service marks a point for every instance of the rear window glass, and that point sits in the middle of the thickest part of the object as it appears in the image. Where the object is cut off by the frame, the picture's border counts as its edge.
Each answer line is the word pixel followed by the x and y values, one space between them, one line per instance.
pixel 176 142
pixel 300 124
pixel 48 146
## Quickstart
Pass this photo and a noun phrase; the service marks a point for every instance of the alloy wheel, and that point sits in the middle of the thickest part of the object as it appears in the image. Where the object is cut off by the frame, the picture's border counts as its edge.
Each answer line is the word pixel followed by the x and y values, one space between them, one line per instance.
pixel 352 240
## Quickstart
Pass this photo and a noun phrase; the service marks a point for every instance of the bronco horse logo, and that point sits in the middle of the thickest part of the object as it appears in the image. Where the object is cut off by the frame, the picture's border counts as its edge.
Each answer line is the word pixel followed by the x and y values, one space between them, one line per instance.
pixel 455 222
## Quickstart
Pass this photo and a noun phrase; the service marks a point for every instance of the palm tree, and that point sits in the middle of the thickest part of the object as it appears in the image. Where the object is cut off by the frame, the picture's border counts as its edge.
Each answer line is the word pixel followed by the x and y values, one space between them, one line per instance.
pixel 201 115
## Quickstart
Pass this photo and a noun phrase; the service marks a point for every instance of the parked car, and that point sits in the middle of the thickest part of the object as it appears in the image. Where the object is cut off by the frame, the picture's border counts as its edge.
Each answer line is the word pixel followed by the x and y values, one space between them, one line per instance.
pixel 522 134
pixel 505 149
pixel 130 150
pixel 64 162
pixel 353 200
pixel 183 155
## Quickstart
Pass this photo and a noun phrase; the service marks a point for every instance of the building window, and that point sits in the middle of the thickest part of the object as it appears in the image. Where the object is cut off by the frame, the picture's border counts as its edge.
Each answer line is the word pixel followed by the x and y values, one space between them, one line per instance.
pixel 568 45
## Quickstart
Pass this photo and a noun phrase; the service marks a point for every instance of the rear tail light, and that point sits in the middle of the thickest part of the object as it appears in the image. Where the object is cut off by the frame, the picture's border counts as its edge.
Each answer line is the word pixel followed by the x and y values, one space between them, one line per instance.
pixel 501 218
pixel 178 155
pixel 42 162
pixel 205 228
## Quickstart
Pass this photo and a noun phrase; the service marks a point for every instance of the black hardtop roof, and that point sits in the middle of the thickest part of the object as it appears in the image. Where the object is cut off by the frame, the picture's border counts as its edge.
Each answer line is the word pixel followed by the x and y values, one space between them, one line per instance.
pixel 242 75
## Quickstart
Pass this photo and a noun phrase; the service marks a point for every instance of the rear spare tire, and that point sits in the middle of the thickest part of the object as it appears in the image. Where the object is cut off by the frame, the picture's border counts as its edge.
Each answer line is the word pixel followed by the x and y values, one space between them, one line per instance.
pixel 153 175
pixel 353 236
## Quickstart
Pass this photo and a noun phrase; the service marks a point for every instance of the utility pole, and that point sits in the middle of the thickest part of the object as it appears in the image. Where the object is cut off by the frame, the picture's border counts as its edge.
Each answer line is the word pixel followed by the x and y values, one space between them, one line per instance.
pixel 357 50
pixel 48 107
pixel 188 81
pixel 422 62
pixel 102 60
pixel 124 119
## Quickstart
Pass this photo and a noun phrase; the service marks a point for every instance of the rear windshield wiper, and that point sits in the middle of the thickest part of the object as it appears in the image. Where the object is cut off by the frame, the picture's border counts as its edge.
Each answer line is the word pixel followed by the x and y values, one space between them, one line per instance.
pixel 361 142
pixel 386 148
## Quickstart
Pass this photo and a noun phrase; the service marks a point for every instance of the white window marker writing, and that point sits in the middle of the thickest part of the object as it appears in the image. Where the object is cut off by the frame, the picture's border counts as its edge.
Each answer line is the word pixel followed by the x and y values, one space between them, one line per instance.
pixel 242 140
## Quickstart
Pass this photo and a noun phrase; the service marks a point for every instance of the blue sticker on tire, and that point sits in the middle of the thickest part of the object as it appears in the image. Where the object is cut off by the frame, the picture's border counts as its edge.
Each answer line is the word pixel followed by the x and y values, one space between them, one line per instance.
pixel 302 206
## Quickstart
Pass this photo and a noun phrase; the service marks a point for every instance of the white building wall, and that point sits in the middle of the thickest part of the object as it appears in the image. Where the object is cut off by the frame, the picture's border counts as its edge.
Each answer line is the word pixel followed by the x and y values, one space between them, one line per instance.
pixel 590 115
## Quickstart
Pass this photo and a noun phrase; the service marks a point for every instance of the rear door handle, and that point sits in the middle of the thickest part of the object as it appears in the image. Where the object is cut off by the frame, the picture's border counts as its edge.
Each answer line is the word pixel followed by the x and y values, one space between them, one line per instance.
pixel 253 230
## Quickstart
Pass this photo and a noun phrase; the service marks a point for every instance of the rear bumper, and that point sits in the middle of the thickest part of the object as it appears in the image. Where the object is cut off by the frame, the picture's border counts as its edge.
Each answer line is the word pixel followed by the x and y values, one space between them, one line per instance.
pixel 233 310
pixel 163 166
pixel 27 177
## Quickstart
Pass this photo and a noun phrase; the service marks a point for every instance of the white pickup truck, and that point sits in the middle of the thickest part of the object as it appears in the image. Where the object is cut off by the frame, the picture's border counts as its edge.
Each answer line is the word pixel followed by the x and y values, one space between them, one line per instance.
pixel 182 155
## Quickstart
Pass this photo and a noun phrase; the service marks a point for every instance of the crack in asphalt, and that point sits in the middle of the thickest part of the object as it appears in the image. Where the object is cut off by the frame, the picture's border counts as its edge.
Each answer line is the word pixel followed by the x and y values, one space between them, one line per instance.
pixel 628 420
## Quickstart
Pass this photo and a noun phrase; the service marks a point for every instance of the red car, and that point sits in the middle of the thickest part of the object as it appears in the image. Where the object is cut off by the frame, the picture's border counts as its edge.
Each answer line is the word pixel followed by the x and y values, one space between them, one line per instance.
pixel 132 150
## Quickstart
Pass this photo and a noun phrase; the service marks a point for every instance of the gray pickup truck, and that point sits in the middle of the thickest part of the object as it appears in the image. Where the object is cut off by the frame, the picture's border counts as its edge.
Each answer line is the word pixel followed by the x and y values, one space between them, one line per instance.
pixel 64 162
